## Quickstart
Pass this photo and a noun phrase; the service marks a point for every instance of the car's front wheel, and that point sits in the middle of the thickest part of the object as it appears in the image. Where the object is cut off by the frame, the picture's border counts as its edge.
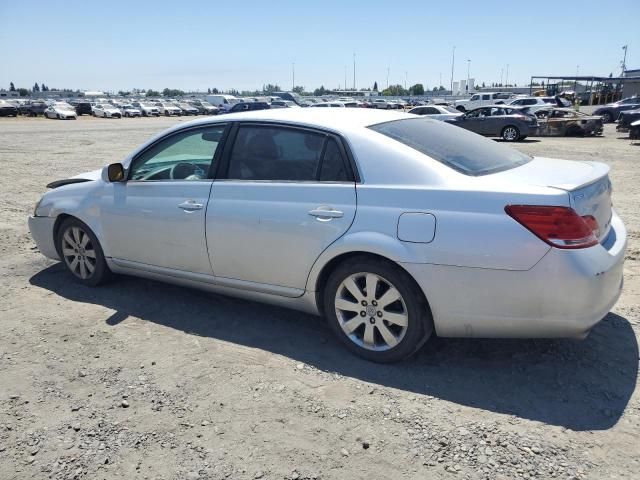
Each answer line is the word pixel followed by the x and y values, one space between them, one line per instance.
pixel 607 117
pixel 510 133
pixel 376 310
pixel 81 252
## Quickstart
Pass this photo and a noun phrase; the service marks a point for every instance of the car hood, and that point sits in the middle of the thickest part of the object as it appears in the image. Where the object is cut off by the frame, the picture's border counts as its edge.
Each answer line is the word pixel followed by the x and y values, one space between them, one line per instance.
pixel 92 175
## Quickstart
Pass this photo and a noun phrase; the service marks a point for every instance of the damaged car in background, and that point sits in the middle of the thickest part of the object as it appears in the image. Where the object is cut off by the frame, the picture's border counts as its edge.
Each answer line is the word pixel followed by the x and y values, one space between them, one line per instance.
pixel 565 122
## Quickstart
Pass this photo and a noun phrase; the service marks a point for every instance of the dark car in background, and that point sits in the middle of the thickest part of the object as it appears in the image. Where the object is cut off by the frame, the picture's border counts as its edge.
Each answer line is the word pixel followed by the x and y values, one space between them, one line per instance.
pixel 248 106
pixel 626 119
pixel 611 111
pixel 37 108
pixel 8 109
pixel 510 124
pixel 82 108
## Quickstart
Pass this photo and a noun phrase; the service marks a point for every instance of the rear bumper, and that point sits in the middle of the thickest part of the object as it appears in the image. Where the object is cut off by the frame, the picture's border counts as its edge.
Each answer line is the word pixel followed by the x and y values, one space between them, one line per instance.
pixel 41 229
pixel 564 295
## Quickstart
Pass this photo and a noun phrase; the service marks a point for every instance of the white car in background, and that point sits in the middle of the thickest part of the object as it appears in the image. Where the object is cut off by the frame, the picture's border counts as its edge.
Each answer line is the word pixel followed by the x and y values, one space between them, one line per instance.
pixel 328 105
pixel 105 110
pixel 129 110
pixel 390 225
pixel 167 109
pixel 382 103
pixel 61 111
pixel 437 112
pixel 146 109
pixel 481 99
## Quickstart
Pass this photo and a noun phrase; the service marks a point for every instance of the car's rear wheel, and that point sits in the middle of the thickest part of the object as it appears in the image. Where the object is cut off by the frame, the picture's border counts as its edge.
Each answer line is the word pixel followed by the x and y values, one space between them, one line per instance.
pixel 81 252
pixel 510 133
pixel 376 310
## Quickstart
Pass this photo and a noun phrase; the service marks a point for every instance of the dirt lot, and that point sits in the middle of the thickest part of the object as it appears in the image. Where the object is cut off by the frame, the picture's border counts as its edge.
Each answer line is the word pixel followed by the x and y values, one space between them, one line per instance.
pixel 139 379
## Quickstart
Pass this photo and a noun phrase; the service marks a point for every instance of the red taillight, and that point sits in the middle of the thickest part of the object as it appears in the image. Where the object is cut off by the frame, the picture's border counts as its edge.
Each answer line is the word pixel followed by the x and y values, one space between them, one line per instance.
pixel 560 227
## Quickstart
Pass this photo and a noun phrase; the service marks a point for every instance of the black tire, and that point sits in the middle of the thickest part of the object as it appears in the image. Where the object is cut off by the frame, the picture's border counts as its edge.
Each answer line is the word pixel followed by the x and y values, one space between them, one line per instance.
pixel 166 113
pixel 413 305
pixel 607 117
pixel 510 133
pixel 101 272
pixel 460 108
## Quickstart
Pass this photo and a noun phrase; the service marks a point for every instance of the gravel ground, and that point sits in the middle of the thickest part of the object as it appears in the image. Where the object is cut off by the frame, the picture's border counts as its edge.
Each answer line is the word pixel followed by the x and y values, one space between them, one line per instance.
pixel 138 379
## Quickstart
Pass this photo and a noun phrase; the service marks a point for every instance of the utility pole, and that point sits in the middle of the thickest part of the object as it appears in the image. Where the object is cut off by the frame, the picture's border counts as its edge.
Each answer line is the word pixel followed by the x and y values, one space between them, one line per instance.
pixel 388 69
pixel 501 75
pixel 468 67
pixel 440 84
pixel 405 80
pixel 453 61
pixel 624 61
pixel 506 80
pixel 345 77
pixel 293 76
pixel 354 71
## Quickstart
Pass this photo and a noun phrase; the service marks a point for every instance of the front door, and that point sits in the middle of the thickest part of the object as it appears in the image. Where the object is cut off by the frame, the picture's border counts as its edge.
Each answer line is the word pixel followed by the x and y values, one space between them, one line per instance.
pixel 285 196
pixel 157 217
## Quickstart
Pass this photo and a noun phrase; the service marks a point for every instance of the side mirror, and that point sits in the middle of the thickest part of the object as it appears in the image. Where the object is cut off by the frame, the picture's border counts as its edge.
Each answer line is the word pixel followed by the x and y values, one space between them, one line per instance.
pixel 115 172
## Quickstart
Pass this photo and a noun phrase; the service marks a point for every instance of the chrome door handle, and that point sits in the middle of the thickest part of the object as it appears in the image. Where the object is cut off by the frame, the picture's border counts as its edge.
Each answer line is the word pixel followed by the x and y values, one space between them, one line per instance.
pixel 325 213
pixel 190 206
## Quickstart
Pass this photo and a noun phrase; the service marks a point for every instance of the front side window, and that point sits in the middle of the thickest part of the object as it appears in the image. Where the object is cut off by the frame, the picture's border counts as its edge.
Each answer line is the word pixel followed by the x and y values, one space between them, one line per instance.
pixel 184 155
pixel 486 97
pixel 285 154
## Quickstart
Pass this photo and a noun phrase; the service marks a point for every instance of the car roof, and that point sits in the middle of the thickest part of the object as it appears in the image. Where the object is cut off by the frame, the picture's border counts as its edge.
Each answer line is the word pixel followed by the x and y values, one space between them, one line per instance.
pixel 329 119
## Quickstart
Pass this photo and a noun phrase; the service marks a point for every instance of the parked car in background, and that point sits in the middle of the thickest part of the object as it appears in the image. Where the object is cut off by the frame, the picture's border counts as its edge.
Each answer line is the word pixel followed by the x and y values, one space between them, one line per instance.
pixel 187 109
pixel 284 104
pixel 483 98
pixel 223 102
pixel 204 107
pixel 626 118
pixel 167 109
pixel 248 107
pixel 82 107
pixel 61 111
pixel 147 109
pixel 106 110
pixel 37 107
pixel 335 214
pixel 562 122
pixel 634 130
pixel 497 121
pixel 437 112
pixel 8 109
pixel 129 110
pixel 381 103
pixel 611 111
pixel 328 105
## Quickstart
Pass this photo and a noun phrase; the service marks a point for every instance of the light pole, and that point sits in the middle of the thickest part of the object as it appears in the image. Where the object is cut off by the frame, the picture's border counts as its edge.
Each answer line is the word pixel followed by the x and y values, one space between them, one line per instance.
pixel 506 79
pixel 624 60
pixel 468 67
pixel 440 84
pixel 354 71
pixel 293 76
pixel 453 61
pixel 388 69
pixel 405 80
pixel 501 75
pixel 345 77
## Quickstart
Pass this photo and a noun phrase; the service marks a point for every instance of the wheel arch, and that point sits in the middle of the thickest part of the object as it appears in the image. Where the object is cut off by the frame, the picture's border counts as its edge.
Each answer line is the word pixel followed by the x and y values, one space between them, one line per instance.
pixel 318 283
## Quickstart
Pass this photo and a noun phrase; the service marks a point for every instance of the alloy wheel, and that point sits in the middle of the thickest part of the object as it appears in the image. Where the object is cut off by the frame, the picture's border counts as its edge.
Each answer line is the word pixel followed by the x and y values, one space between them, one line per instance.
pixel 510 134
pixel 371 311
pixel 78 252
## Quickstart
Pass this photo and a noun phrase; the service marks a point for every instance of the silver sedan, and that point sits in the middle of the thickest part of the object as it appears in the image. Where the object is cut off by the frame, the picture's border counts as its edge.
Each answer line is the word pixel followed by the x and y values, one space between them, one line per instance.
pixel 393 227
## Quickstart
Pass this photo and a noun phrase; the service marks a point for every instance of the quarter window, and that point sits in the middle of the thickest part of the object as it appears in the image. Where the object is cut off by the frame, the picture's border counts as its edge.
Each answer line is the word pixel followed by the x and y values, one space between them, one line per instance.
pixel 333 167
pixel 182 156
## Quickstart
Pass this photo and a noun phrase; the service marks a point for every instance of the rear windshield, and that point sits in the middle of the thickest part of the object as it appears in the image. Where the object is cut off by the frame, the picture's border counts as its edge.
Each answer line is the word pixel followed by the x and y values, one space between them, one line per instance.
pixel 453 146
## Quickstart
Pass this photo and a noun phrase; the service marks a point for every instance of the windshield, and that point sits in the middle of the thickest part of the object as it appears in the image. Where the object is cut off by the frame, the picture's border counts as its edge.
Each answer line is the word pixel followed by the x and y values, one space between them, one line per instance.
pixel 63 105
pixel 457 148
pixel 451 109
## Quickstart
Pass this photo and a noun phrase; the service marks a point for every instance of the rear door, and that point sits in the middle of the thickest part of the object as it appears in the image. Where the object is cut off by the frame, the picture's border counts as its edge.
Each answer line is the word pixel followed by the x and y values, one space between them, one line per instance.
pixel 283 196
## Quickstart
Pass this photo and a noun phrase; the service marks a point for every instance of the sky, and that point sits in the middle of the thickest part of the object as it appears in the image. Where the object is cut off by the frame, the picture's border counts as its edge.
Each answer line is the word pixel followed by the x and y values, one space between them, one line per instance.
pixel 195 45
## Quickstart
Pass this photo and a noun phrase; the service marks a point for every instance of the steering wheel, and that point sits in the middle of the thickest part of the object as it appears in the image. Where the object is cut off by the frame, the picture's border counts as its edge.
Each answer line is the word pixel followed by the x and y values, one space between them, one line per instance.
pixel 182 170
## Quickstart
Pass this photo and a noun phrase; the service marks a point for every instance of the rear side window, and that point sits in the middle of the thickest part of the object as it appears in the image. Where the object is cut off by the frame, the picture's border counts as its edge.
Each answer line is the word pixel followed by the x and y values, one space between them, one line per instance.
pixel 455 147
pixel 286 154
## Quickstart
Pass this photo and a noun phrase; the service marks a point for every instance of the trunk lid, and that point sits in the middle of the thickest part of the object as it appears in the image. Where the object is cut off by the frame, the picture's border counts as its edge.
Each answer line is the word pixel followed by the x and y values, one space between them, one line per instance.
pixel 587 184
